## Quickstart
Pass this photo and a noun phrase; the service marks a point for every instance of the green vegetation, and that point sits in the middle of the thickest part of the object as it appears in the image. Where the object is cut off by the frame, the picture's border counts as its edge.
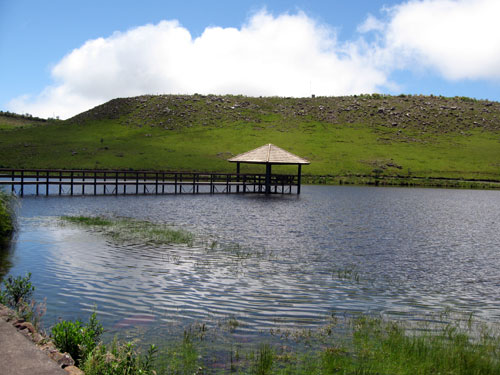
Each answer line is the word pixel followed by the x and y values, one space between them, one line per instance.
pixel 360 345
pixel 119 360
pixel 18 290
pixel 6 222
pixel 366 139
pixel 17 294
pixel 363 345
pixel 126 229
pixel 77 339
pixel 88 220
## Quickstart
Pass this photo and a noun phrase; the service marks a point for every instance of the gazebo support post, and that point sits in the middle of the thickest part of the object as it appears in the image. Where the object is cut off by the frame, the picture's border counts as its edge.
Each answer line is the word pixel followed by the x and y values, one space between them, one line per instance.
pixel 299 175
pixel 238 177
pixel 268 178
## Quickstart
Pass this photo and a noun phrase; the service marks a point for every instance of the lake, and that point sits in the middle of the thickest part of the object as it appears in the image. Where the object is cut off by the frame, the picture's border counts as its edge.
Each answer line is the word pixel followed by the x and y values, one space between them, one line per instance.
pixel 265 261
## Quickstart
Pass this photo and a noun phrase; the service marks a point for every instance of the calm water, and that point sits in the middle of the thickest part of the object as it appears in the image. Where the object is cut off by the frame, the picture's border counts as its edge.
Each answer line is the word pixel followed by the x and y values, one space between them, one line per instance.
pixel 283 261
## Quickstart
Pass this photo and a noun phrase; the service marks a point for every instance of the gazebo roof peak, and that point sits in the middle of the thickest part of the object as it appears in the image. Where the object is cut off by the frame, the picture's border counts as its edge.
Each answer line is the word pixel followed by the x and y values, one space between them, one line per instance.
pixel 268 154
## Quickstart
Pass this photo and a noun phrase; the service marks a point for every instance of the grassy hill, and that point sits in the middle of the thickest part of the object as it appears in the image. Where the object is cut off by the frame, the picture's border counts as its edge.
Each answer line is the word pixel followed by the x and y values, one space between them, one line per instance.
pixel 9 120
pixel 422 140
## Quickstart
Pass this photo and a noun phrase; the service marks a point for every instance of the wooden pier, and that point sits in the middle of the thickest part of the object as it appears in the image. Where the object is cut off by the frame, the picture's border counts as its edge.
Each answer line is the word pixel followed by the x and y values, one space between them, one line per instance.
pixel 78 182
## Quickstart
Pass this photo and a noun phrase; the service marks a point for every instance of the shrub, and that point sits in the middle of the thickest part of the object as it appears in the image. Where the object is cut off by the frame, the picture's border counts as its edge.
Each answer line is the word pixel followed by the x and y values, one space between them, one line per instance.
pixel 68 336
pixel 18 295
pixel 18 290
pixel 6 224
pixel 77 339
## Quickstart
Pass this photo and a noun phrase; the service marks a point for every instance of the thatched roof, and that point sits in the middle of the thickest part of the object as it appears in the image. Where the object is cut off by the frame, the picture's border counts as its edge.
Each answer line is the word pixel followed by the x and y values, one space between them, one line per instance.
pixel 268 154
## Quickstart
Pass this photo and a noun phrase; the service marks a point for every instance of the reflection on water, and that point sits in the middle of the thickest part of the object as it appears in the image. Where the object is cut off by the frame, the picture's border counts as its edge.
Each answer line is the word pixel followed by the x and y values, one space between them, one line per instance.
pixel 267 261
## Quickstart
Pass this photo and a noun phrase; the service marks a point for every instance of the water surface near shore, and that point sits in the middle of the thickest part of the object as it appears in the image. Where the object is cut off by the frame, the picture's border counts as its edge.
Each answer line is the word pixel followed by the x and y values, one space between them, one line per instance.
pixel 287 261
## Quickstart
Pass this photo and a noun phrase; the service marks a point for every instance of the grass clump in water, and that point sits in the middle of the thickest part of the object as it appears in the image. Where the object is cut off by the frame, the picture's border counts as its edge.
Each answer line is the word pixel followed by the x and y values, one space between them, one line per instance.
pixel 127 229
pixel 87 220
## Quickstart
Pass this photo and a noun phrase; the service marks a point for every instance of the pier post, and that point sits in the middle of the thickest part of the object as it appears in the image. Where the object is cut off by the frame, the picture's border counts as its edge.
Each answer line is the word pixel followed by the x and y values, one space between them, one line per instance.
pixel 83 183
pixel 37 174
pixel 71 183
pixel 22 183
pixel 124 183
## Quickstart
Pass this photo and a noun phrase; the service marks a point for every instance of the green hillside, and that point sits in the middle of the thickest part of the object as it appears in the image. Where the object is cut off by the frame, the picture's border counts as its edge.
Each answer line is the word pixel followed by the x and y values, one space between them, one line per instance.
pixel 423 140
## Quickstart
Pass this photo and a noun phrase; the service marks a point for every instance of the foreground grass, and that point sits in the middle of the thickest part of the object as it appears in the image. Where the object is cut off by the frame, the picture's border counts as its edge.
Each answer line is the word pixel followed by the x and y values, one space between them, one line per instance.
pixel 367 139
pixel 366 345
pixel 362 345
pixel 370 346
pixel 126 229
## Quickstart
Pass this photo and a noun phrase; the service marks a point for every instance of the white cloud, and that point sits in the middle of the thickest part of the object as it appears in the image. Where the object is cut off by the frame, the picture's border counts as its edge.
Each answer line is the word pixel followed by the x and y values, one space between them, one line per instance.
pixel 460 39
pixel 371 24
pixel 287 55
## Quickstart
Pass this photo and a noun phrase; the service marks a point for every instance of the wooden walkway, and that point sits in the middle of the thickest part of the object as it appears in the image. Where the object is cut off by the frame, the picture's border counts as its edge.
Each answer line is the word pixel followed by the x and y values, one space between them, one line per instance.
pixel 119 182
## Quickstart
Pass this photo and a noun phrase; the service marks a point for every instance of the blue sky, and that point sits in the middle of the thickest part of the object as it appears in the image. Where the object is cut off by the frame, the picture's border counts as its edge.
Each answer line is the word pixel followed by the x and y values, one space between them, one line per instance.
pixel 59 58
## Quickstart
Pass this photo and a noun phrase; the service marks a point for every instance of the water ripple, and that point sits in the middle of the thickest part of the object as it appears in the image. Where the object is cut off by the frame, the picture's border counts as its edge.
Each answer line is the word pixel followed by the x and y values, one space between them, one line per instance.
pixel 277 261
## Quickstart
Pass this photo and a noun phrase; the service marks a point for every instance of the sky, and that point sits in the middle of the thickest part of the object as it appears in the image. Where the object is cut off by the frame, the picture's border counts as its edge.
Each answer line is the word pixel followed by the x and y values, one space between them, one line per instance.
pixel 59 58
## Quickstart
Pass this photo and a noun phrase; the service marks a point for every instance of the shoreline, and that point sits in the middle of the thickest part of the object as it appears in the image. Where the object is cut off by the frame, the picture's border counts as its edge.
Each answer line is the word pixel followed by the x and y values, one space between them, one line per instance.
pixel 402 181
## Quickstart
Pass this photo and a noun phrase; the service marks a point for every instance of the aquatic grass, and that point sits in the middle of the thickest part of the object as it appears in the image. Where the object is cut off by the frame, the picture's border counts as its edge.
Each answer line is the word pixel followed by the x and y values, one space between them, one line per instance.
pixel 87 220
pixel 119 359
pixel 350 272
pixel 388 347
pixel 181 358
pixel 131 230
pixel 368 345
pixel 263 361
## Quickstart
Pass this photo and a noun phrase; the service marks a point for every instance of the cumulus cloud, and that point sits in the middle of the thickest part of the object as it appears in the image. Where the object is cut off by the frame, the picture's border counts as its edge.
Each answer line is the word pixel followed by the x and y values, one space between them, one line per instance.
pixel 459 39
pixel 285 55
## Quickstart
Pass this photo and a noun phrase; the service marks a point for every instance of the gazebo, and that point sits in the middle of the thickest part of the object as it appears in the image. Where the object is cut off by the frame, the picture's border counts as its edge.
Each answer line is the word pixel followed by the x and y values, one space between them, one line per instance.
pixel 269 155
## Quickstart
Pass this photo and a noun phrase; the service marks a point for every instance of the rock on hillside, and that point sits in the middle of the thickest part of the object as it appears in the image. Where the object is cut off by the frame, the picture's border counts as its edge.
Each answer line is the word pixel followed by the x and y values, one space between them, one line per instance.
pixel 424 113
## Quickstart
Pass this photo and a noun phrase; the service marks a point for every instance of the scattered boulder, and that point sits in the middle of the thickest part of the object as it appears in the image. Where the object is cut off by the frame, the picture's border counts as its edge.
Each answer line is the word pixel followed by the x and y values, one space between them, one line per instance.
pixel 25 326
pixel 63 359
pixel 73 370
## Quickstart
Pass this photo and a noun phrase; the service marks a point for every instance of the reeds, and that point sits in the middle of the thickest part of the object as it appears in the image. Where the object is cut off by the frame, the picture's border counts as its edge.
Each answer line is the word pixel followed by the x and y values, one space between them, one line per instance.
pixel 131 230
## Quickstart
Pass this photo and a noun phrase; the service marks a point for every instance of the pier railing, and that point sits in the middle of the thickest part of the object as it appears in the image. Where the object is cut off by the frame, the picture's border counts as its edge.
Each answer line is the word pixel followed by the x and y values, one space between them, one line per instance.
pixel 127 182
